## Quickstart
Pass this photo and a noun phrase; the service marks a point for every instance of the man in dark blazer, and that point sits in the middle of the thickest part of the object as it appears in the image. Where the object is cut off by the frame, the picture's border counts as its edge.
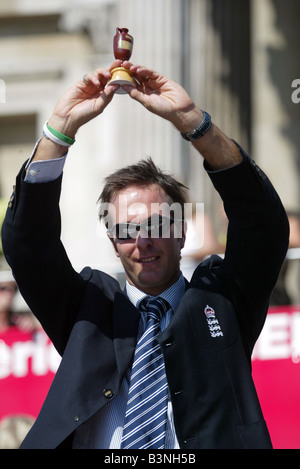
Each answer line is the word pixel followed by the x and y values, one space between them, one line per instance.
pixel 214 321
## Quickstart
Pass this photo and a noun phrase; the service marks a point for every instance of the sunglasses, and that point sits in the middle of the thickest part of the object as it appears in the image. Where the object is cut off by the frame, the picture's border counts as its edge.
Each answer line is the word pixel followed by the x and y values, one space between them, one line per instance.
pixel 153 228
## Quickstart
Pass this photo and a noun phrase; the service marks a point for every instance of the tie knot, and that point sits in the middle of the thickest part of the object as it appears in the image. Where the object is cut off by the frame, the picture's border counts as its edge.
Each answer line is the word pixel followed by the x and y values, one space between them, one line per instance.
pixel 155 307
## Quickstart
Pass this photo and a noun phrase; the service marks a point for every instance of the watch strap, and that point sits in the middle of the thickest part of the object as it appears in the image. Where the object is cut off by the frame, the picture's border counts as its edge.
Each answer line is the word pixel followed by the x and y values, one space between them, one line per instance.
pixel 199 131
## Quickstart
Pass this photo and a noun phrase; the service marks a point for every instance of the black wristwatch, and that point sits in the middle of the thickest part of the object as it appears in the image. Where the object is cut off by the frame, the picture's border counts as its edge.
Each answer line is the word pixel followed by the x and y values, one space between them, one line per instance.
pixel 200 130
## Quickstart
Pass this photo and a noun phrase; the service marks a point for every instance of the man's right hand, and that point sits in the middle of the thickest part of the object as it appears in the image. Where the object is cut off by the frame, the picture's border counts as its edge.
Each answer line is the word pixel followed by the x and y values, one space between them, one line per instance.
pixel 82 102
pixel 78 105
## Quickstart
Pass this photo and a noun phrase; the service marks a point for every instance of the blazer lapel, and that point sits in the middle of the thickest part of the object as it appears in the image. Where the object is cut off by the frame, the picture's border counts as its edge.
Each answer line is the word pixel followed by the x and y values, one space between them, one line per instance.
pixel 125 326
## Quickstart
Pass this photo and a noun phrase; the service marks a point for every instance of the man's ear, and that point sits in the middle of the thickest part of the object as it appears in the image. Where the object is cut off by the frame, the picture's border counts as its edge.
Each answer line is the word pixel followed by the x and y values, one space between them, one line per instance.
pixel 114 245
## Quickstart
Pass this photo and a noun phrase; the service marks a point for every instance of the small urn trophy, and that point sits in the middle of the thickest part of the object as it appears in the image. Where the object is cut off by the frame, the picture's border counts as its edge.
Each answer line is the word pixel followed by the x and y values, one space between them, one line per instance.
pixel 123 45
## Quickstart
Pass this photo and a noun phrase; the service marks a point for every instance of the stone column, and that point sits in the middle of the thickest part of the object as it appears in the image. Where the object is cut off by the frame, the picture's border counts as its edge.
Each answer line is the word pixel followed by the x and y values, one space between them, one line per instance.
pixel 218 62
pixel 276 139
pixel 276 118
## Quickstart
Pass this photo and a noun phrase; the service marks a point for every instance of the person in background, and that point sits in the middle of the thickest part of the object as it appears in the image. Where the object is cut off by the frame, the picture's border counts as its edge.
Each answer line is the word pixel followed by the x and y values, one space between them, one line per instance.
pixel 13 430
pixel 9 315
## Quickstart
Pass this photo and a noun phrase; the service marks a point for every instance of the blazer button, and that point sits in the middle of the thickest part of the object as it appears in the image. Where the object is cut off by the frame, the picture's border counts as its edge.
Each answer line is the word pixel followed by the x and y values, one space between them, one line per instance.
pixel 108 393
pixel 169 343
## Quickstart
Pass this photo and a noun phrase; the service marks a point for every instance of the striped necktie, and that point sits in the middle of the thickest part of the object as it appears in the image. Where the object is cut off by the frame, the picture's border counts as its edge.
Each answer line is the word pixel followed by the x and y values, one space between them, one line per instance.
pixel 146 412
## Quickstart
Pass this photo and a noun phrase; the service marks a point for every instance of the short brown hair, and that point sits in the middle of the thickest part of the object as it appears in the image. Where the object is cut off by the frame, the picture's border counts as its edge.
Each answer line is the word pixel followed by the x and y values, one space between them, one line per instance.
pixel 143 173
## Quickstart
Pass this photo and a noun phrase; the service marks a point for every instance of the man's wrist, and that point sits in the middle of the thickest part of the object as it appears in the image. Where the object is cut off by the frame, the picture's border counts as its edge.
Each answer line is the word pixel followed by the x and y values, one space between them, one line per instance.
pixel 189 120
pixel 64 126
pixel 56 136
pixel 200 130
pixel 48 150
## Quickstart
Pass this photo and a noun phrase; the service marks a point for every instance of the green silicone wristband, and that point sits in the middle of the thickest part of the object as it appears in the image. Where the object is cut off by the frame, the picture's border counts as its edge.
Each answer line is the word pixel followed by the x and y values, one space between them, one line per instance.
pixel 61 136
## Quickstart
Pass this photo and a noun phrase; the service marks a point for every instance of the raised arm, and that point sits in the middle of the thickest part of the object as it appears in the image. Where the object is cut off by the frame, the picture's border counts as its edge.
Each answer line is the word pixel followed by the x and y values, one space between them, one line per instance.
pixel 78 105
pixel 170 101
pixel 31 230
pixel 258 230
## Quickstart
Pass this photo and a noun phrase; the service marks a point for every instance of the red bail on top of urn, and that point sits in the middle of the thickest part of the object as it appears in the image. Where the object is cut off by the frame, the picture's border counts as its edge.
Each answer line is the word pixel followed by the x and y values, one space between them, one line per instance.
pixel 123 44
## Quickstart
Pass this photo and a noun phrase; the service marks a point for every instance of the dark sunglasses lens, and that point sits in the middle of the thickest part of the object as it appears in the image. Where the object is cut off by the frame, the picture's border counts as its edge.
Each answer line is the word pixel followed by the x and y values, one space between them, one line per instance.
pixel 153 228
pixel 121 230
pixel 126 231
pixel 160 228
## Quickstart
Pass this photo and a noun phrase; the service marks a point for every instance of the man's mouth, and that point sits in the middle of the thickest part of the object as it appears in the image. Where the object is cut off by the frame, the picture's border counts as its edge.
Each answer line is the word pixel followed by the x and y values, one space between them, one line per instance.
pixel 148 260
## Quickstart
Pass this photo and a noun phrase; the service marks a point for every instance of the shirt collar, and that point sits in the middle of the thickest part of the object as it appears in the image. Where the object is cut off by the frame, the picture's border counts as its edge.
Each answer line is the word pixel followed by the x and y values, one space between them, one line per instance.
pixel 173 294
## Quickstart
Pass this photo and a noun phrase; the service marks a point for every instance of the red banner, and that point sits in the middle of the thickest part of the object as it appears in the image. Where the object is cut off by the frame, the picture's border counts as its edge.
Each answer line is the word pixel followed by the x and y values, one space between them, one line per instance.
pixel 276 373
pixel 28 362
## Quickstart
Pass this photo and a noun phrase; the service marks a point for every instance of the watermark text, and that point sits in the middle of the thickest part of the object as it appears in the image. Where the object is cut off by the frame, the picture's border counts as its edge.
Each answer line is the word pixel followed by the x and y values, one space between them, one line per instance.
pixel 159 220
pixel 296 92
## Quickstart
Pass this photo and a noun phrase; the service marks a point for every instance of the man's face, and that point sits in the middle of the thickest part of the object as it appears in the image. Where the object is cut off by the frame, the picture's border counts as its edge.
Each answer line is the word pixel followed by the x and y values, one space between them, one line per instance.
pixel 150 263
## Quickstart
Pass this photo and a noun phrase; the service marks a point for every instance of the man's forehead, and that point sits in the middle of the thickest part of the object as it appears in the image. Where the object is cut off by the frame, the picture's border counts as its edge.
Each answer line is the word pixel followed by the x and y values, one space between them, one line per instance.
pixel 140 202
pixel 133 194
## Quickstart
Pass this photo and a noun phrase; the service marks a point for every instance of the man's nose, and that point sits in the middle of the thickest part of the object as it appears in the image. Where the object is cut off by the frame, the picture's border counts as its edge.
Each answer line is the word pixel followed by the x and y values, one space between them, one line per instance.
pixel 143 238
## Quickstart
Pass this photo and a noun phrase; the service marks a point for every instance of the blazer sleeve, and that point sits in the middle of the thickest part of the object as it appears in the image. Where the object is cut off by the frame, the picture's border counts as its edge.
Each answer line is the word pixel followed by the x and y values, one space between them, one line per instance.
pixel 257 241
pixel 31 244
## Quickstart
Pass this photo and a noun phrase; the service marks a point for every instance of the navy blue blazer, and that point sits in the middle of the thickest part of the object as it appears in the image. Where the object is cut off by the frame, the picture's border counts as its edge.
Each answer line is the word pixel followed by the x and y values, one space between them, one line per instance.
pixel 207 346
